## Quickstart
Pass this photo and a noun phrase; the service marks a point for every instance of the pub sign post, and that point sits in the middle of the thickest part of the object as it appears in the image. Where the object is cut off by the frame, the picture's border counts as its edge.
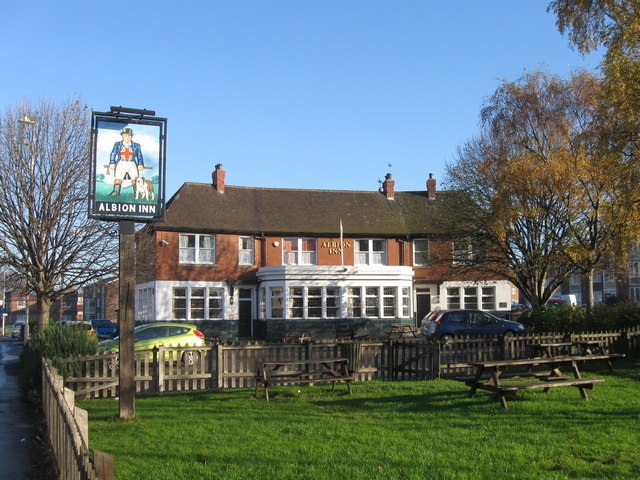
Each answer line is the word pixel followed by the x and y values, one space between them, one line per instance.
pixel 127 184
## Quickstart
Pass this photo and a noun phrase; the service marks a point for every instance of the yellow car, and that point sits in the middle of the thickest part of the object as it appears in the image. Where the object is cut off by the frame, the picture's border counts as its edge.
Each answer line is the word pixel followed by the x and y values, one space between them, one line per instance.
pixel 162 334
pixel 81 325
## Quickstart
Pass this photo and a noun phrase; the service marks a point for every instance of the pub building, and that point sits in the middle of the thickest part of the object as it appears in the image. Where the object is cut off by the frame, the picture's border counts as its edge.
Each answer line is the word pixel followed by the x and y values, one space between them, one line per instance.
pixel 256 263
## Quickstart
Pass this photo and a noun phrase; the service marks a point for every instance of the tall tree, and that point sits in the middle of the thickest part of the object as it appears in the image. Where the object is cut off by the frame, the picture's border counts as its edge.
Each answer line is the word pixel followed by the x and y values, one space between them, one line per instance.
pixel 46 237
pixel 613 25
pixel 539 177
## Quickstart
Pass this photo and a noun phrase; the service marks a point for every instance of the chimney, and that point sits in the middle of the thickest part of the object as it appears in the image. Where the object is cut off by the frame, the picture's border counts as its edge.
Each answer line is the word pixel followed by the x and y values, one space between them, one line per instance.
pixel 387 187
pixel 218 178
pixel 431 187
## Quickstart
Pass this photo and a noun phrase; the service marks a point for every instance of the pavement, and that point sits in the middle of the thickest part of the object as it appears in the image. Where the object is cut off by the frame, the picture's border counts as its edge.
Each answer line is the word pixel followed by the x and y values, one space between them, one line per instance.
pixel 18 427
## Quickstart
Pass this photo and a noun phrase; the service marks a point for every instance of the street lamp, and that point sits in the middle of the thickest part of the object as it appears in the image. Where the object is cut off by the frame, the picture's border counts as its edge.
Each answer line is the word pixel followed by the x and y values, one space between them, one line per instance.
pixel 26 120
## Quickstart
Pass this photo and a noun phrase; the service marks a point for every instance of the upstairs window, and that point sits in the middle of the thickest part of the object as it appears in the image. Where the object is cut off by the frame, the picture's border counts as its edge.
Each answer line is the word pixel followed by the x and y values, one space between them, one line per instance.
pixel 197 249
pixel 245 251
pixel 371 252
pixel 299 251
pixel 465 252
pixel 420 252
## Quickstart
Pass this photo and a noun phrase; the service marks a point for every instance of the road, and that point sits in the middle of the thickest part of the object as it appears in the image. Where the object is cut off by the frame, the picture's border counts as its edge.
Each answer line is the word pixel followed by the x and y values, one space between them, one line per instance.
pixel 16 425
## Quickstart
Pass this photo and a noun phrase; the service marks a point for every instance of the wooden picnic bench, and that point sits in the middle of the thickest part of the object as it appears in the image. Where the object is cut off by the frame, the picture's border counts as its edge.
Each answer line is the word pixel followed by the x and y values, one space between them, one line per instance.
pixel 574 347
pixel 295 336
pixel 494 377
pixel 400 330
pixel 294 372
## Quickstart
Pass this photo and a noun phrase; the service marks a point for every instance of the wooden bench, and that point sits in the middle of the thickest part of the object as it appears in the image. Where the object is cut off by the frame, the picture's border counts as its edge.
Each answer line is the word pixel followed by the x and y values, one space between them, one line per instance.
pixel 295 336
pixel 506 384
pixel 402 330
pixel 296 372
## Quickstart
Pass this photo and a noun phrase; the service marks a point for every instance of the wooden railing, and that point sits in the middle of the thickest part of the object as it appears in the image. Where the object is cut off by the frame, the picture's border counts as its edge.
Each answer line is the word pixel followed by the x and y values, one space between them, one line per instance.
pixel 223 366
pixel 68 429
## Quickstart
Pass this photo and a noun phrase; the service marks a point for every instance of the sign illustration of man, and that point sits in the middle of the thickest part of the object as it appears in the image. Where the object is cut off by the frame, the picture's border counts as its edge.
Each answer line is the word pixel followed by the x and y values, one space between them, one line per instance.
pixel 125 159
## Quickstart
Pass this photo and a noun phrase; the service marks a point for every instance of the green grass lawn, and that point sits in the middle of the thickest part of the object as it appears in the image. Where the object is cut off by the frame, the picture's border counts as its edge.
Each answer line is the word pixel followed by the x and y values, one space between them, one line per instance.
pixel 385 430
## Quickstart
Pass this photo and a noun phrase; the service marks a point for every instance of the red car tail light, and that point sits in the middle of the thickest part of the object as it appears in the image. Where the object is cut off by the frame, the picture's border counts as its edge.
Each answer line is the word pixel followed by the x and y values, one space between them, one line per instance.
pixel 199 334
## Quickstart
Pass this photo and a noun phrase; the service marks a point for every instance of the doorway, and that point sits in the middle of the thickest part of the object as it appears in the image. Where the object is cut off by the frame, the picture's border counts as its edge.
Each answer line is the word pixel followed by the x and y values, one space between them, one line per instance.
pixel 245 313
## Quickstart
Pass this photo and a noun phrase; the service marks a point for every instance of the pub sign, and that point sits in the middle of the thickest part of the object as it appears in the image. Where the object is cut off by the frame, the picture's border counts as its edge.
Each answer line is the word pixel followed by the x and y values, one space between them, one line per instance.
pixel 127 167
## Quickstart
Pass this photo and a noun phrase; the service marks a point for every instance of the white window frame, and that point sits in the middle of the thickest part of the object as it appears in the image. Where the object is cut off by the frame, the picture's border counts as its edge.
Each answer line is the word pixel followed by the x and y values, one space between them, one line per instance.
pixel 420 252
pixel 196 302
pixel 367 251
pixel 299 254
pixel 276 302
pixel 246 246
pixel 194 249
pixel 488 298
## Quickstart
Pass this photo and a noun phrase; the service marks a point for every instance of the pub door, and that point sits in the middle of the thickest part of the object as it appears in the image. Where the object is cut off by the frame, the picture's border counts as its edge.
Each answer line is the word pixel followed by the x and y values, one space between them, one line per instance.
pixel 245 313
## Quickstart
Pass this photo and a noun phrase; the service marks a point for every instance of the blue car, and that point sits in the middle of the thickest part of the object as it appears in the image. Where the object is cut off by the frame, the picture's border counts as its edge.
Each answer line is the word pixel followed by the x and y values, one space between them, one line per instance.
pixel 106 329
pixel 446 325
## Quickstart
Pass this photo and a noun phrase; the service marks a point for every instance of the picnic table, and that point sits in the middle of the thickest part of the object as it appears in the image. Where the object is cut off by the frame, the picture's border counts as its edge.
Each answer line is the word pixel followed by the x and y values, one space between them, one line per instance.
pixel 494 376
pixel 400 330
pixel 329 370
pixel 295 336
pixel 573 347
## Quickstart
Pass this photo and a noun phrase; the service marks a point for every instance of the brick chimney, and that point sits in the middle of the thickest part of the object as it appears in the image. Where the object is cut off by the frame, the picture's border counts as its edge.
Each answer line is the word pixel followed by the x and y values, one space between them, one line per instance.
pixel 218 178
pixel 431 187
pixel 388 187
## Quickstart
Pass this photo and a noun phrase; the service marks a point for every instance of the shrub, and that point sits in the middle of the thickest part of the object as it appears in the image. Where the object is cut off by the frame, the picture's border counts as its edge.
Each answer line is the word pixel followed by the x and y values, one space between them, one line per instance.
pixel 58 344
pixel 567 319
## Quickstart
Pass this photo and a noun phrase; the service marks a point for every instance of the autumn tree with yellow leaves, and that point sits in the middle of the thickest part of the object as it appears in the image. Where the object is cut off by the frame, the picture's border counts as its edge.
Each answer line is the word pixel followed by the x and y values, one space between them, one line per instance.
pixel 548 193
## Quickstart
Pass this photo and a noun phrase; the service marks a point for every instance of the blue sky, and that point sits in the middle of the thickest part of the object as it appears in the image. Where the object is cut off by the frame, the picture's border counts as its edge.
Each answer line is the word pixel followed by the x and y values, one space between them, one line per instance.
pixel 320 94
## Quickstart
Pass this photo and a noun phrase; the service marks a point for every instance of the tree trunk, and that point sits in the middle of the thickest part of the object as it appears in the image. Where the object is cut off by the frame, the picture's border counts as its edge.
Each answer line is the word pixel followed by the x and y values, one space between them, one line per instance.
pixel 589 290
pixel 44 311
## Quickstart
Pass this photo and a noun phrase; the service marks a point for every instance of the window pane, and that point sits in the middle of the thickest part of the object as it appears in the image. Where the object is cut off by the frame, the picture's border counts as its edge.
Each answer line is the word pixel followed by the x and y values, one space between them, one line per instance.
pixel 453 298
pixel 197 303
pixel 354 302
pixel 245 251
pixel 332 299
pixel 488 298
pixel 276 302
pixel 296 302
pixel 372 302
pixel 420 257
pixel 179 304
pixel 471 297
pixel 389 301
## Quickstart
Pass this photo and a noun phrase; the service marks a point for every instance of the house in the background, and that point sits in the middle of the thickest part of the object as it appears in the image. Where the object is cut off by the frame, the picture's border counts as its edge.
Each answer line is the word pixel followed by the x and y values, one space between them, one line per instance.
pixel 251 262
pixel 101 300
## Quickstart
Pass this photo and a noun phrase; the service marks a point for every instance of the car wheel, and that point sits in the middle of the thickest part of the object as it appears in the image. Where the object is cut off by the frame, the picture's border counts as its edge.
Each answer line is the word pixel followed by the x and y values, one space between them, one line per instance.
pixel 446 338
pixel 190 358
pixel 508 334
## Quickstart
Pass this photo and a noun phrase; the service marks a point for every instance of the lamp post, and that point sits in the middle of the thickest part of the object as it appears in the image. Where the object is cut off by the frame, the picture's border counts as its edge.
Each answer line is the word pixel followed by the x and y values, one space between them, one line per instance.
pixel 26 120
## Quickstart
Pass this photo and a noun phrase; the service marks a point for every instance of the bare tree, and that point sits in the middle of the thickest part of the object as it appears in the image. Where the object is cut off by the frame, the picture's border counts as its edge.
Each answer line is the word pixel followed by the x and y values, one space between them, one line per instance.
pixel 46 236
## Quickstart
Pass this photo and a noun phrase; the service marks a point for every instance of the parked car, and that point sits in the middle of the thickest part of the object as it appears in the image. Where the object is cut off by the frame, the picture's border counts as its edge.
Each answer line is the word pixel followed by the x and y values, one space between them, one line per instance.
pixel 18 330
pixel 106 328
pixel 165 334
pixel 448 324
pixel 79 324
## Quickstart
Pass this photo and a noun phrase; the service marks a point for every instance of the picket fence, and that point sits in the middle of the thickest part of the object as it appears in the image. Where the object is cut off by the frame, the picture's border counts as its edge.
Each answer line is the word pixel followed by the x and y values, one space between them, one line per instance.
pixel 233 365
pixel 68 429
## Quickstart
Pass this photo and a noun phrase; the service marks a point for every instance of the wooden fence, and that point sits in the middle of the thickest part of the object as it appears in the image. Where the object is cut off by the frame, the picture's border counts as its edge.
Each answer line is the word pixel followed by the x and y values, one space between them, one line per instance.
pixel 68 428
pixel 223 366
